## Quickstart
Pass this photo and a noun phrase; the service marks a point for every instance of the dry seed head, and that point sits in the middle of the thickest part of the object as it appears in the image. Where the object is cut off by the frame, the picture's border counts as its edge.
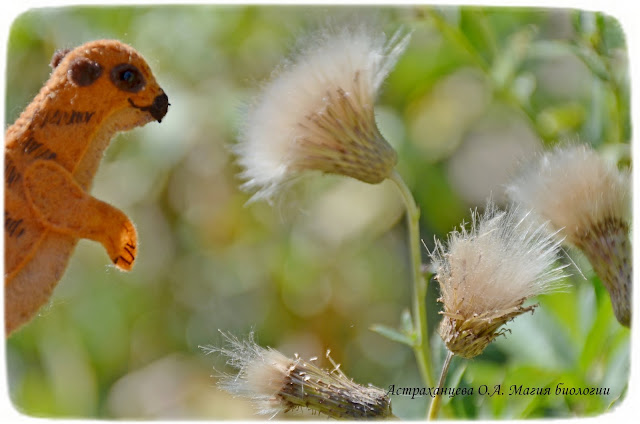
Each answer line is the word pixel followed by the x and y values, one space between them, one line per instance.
pixel 574 188
pixel 317 114
pixel 486 274
pixel 275 383
pixel 588 201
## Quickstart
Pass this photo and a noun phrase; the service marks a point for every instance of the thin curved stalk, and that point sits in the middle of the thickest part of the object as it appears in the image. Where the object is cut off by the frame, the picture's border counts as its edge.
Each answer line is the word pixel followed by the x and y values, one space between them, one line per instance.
pixel 435 403
pixel 421 347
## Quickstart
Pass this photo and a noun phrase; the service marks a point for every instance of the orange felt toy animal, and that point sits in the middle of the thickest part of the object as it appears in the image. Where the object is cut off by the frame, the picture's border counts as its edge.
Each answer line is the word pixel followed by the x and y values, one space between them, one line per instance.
pixel 52 153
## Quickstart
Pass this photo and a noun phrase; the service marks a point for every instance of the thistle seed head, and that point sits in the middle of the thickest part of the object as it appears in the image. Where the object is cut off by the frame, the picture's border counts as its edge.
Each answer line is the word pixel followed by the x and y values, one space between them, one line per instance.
pixel 486 274
pixel 317 114
pixel 276 383
pixel 588 201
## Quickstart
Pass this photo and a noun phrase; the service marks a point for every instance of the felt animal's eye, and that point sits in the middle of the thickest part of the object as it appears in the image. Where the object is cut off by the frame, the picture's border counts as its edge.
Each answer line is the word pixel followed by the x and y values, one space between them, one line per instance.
pixel 127 78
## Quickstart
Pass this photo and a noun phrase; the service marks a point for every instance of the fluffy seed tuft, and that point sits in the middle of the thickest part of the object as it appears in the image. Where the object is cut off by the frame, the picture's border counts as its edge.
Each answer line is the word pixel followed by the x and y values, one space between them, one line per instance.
pixel 487 272
pixel 317 114
pixel 588 201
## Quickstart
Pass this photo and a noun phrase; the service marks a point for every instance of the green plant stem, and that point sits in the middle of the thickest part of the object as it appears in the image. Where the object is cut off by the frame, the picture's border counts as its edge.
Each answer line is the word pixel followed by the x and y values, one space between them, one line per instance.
pixel 435 403
pixel 421 347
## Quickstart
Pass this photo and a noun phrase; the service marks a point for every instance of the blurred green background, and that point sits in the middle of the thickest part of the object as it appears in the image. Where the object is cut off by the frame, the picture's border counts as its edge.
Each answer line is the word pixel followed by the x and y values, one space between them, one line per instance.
pixel 477 91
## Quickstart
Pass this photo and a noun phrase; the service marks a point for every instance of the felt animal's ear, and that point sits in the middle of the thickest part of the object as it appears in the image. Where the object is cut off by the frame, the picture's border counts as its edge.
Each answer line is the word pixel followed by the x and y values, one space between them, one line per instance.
pixel 57 57
pixel 83 72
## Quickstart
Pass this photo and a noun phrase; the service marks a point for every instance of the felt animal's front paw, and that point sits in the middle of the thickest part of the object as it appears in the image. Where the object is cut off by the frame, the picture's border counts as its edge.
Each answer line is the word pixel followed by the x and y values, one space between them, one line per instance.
pixel 125 251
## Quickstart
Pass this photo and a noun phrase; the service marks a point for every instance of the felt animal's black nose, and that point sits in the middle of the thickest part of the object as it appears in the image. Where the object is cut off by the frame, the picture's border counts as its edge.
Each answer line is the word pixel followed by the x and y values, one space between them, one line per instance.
pixel 159 107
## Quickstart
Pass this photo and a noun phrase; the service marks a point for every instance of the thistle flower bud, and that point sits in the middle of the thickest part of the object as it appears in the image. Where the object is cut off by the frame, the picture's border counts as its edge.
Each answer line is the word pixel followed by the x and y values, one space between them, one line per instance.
pixel 317 114
pixel 275 383
pixel 488 272
pixel 588 200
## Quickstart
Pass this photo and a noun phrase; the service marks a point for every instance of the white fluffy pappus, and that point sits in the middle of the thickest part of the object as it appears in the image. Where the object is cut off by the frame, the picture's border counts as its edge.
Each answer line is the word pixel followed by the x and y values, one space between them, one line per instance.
pixel 317 113
pixel 488 271
pixel 588 201
pixel 260 372
pixel 574 188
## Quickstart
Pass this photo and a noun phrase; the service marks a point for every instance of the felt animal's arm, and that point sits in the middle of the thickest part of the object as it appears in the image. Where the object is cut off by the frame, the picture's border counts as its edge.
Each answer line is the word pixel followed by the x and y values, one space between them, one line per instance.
pixel 64 207
pixel 52 153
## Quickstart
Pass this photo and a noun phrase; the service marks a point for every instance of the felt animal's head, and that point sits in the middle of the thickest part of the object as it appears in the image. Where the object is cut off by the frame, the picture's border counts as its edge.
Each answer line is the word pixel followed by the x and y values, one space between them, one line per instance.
pixel 110 78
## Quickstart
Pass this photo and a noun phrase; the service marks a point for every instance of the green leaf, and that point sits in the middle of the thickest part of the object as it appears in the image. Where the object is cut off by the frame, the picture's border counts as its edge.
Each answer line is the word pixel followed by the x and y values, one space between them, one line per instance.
pixel 393 334
pixel 592 61
pixel 508 61
pixel 593 354
pixel 611 33
pixel 523 87
pixel 406 322
pixel 562 118
pixel 476 27
pixel 549 49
